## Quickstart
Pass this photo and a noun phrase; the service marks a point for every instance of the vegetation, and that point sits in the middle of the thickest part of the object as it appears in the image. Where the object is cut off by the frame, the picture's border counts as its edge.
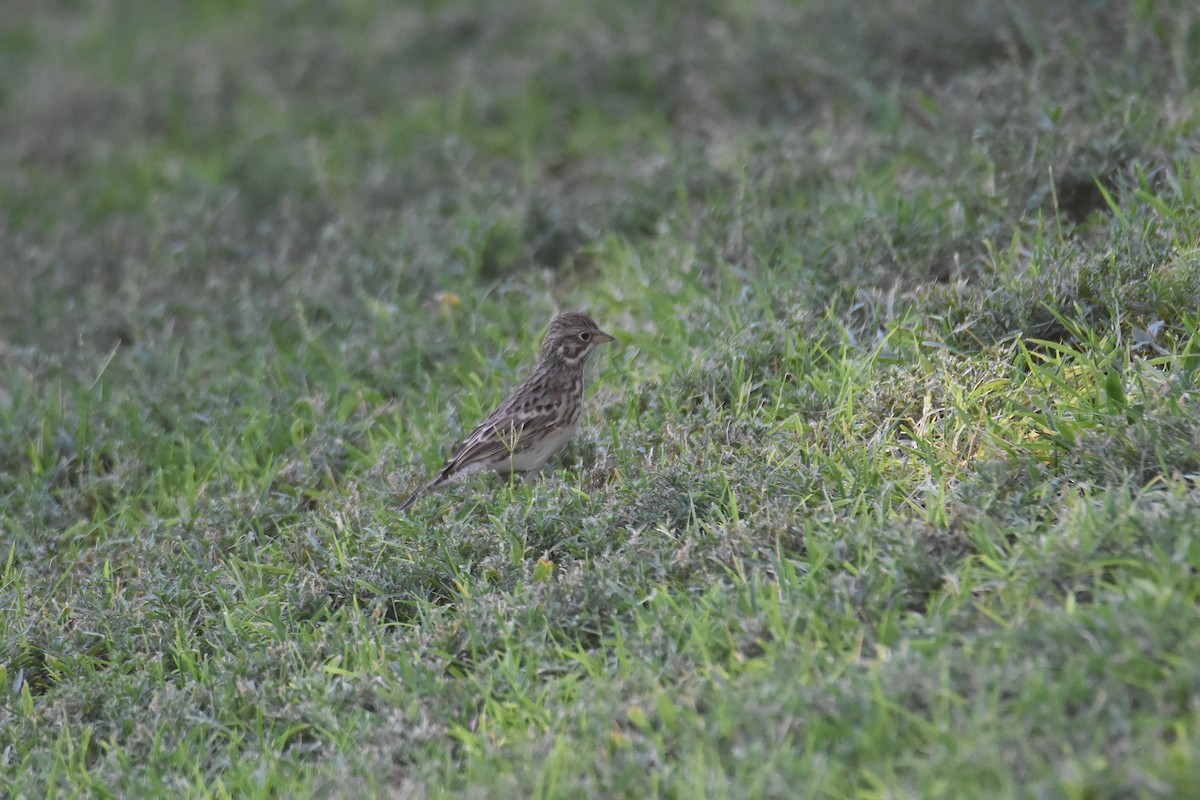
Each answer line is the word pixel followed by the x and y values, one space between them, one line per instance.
pixel 889 488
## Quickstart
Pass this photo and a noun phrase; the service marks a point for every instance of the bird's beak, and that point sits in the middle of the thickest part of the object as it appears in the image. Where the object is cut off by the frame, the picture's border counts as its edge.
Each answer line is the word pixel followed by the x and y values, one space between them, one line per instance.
pixel 604 338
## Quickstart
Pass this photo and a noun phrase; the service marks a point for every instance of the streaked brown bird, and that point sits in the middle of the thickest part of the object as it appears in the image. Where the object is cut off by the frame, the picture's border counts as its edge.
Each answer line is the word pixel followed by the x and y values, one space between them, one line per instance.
pixel 538 418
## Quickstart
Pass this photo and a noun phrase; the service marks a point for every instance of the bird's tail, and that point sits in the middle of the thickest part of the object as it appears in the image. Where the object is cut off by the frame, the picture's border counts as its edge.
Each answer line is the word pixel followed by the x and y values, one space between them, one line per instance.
pixel 412 498
pixel 433 485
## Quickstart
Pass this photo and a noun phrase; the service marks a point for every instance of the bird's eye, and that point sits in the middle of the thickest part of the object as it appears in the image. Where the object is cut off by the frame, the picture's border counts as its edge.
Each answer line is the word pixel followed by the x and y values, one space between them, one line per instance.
pixel 585 337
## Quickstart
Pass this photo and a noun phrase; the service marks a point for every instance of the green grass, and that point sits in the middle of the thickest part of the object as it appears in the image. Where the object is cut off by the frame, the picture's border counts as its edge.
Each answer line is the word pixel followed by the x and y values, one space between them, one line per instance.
pixel 888 488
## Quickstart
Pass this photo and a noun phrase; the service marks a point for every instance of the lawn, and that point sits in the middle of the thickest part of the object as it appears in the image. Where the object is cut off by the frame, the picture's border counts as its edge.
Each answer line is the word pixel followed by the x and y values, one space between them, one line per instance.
pixel 889 488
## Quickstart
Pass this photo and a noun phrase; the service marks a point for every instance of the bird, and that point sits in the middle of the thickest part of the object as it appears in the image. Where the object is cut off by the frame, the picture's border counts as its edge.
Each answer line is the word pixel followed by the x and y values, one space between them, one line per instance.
pixel 538 418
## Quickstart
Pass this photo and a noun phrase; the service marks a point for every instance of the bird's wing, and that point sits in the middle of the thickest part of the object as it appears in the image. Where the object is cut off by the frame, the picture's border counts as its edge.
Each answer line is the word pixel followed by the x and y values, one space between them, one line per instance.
pixel 499 435
pixel 486 442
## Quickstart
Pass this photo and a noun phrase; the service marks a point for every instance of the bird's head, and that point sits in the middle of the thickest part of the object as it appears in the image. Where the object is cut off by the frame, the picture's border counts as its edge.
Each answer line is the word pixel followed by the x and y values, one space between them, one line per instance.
pixel 572 337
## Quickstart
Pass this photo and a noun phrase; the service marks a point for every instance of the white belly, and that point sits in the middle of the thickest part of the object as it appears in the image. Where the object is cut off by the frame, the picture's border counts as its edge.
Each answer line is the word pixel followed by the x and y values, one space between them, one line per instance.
pixel 531 459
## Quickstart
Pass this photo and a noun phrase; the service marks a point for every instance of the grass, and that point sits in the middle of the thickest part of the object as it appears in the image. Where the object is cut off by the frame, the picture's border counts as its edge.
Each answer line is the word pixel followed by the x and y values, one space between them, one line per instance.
pixel 887 490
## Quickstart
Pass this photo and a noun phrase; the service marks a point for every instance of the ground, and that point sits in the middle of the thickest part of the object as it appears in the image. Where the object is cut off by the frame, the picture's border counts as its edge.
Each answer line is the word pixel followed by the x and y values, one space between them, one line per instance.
pixel 888 489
